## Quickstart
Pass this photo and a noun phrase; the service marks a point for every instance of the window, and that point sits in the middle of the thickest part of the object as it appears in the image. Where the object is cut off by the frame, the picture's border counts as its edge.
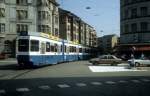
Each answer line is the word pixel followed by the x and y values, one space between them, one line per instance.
pixel 21 2
pixel 44 28
pixel 2 1
pixel 68 27
pixel 144 11
pixel 126 13
pixel 56 32
pixel 56 20
pixel 80 50
pixel 110 57
pixel 144 26
pixel 43 15
pixel 134 13
pixel 23 45
pixel 65 49
pixel 2 12
pixel 126 28
pixel 134 27
pixel 69 20
pixel 34 45
pixel 52 48
pixel 22 28
pixel 61 48
pixel 55 48
pixel 22 14
pixel 47 47
pixel 2 28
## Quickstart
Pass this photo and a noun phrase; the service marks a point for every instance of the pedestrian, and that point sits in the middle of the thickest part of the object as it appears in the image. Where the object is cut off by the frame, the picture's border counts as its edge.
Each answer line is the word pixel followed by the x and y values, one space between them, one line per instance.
pixel 132 61
pixel 142 56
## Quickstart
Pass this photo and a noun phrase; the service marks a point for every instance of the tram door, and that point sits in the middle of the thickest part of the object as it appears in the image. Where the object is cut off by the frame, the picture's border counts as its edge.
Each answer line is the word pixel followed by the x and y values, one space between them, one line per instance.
pixel 42 52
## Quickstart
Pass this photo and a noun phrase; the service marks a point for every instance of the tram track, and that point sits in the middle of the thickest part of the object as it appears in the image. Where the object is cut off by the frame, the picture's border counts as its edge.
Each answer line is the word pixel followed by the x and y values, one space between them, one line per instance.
pixel 21 74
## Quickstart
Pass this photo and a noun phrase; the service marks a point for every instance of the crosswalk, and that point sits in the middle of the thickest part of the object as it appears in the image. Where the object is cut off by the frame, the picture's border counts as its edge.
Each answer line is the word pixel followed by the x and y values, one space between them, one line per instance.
pixel 79 84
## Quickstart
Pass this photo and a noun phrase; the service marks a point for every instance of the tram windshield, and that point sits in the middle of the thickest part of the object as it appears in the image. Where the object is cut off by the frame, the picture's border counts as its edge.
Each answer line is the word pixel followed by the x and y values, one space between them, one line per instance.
pixel 23 45
pixel 34 45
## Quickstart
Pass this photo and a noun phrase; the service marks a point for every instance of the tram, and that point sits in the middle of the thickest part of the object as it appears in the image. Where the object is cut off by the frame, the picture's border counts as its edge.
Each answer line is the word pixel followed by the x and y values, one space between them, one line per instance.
pixel 37 49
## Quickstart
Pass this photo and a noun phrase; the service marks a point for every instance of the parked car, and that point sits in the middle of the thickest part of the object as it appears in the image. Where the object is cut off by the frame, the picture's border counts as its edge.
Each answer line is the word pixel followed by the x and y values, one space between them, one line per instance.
pixel 106 59
pixel 139 62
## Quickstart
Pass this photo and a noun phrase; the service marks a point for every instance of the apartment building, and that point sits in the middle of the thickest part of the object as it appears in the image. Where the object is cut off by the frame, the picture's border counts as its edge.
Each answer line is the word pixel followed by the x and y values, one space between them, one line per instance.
pixel 135 27
pixel 107 43
pixel 73 29
pixel 21 16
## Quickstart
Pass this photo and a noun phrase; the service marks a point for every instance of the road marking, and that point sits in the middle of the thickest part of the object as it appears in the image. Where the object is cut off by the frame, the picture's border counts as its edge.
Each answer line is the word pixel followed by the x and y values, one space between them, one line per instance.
pixel 145 80
pixel 63 86
pixel 135 81
pixel 96 83
pixel 122 81
pixel 81 84
pixel 2 91
pixel 110 82
pixel 22 89
pixel 44 87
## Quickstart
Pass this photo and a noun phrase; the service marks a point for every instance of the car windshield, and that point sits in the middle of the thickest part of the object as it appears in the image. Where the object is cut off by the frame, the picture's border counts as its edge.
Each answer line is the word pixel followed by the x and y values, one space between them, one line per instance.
pixel 74 47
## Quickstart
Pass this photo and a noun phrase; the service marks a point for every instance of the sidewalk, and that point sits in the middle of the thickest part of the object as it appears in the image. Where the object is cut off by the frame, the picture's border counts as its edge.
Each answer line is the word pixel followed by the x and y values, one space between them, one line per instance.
pixel 11 60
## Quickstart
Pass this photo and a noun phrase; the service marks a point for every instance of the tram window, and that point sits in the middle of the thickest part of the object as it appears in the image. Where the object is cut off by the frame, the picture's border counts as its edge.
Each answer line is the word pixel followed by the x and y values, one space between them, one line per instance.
pixel 47 47
pixel 23 45
pixel 52 48
pixel 70 48
pixel 34 45
pixel 65 49
pixel 61 48
pixel 80 50
pixel 56 48
pixel 74 49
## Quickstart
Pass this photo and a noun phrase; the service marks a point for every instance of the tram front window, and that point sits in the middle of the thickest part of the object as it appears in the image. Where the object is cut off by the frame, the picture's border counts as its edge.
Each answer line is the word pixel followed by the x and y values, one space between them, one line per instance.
pixel 34 45
pixel 23 45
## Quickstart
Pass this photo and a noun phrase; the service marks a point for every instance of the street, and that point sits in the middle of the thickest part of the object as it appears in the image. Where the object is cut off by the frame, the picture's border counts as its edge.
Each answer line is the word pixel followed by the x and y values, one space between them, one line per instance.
pixel 71 79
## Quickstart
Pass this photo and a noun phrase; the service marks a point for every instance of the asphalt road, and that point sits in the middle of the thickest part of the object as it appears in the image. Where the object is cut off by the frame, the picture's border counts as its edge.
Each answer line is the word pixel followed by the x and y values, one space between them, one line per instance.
pixel 86 86
pixel 70 79
pixel 10 70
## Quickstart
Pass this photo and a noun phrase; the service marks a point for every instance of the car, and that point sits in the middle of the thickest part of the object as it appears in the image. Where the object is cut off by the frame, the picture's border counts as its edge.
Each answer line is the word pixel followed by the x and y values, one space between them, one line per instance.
pixel 106 59
pixel 139 62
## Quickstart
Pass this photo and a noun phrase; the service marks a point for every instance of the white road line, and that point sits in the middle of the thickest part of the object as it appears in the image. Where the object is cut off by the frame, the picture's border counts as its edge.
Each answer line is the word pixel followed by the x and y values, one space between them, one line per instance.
pixel 145 80
pixel 44 87
pixel 96 83
pixel 122 81
pixel 135 81
pixel 81 84
pixel 110 82
pixel 63 86
pixel 2 91
pixel 22 89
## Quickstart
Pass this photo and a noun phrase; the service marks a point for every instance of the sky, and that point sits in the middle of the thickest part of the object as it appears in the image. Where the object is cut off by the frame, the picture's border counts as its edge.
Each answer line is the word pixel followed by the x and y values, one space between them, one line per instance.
pixel 103 15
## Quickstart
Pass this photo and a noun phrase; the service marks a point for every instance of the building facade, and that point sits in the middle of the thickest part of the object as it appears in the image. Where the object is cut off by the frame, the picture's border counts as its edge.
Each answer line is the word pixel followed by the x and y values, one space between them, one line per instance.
pixel 75 30
pixel 107 43
pixel 18 16
pixel 135 27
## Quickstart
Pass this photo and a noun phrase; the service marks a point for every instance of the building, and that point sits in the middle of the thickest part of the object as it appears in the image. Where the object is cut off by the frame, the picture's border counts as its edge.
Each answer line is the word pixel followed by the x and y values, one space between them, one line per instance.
pixel 69 26
pixel 107 43
pixel 135 27
pixel 18 16
pixel 74 29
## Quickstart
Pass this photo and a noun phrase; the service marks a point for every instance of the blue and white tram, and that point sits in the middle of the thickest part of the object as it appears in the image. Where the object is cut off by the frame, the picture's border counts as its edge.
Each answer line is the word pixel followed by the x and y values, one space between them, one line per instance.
pixel 34 49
